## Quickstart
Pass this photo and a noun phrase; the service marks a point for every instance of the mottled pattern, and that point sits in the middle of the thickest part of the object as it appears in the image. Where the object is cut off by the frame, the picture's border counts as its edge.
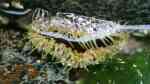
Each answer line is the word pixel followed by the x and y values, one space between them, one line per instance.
pixel 10 38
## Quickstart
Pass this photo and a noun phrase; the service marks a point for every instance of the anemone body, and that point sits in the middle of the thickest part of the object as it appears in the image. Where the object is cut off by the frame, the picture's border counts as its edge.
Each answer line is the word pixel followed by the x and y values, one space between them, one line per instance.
pixel 71 57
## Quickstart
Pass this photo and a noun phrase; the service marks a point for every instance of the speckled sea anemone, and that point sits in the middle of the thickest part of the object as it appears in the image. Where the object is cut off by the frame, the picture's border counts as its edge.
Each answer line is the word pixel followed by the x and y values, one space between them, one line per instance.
pixel 73 50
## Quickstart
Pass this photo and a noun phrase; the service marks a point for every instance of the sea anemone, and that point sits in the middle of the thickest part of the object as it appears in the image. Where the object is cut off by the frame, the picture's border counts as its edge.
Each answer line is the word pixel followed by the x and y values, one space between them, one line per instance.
pixel 75 45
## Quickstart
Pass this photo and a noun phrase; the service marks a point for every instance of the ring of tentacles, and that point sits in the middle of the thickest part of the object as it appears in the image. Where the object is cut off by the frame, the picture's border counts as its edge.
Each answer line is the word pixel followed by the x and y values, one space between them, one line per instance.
pixel 66 45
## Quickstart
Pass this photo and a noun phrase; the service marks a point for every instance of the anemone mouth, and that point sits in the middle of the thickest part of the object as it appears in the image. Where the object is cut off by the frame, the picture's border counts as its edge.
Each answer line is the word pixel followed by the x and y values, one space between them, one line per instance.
pixel 76 56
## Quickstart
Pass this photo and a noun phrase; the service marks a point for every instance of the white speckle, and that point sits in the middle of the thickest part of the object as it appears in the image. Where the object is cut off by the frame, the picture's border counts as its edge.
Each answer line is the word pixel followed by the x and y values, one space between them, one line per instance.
pixel 94 72
pixel 122 62
pixel 139 50
pixel 134 65
pixel 38 61
pixel 141 82
pixel 139 73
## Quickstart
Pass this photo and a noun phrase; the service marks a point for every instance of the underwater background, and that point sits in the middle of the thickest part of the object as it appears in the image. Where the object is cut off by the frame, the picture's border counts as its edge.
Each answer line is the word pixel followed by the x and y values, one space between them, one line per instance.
pixel 22 63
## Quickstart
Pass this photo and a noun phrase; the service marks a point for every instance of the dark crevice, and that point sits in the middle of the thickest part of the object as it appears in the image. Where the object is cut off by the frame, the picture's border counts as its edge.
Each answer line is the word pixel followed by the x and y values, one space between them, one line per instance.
pixel 88 45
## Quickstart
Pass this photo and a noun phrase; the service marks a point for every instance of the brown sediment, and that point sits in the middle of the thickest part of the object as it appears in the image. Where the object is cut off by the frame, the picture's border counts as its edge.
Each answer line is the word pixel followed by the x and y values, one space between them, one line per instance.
pixel 12 76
